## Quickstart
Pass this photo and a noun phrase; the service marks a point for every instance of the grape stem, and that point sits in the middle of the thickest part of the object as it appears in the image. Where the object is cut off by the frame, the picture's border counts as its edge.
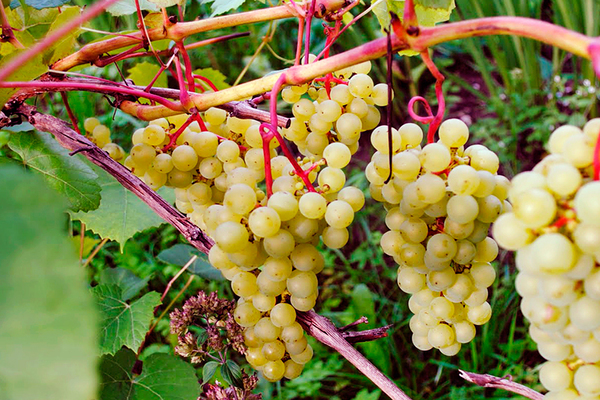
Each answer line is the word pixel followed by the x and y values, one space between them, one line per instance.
pixel 490 381
pixel 439 80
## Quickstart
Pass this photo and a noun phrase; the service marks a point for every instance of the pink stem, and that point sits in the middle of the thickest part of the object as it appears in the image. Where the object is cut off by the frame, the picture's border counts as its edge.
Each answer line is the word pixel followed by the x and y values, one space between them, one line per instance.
pixel 417 117
pixel 207 81
pixel 104 61
pixel 309 16
pixel 299 44
pixel 72 116
pixel 173 137
pixel 184 96
pixel 94 87
pixel 188 67
pixel 40 47
pixel 439 79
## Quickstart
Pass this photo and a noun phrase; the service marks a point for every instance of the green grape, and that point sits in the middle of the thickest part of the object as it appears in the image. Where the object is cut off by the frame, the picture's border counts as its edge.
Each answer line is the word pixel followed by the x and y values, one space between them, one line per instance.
pixel 210 167
pixel 265 330
pixel 479 315
pixel 306 257
pixel 535 207
pixel 485 160
pixel 360 85
pixel 358 107
pixel 441 280
pixel 454 133
pixel 414 230
pixel 587 380
pixel 302 283
pixel 487 185
pixel 442 308
pixel 441 335
pixel 227 151
pixel 554 253
pixel 353 196
pixel 304 357
pixel 348 127
pixel 456 230
pixel 563 179
pixel 372 119
pixel 274 350
pixel 303 109
pixel 430 188
pixel 296 346
pixel 435 157
pixel 380 140
pixel 442 246
pixel 292 369
pixel 244 284
pixel 268 286
pixel 411 254
pixel 283 315
pixel 302 228
pixel 205 144
pixel 335 238
pixel 391 242
pixel 246 315
pixel 142 155
pixel 406 166
pixel 273 370
pixel 318 125
pixel 255 357
pixel 411 281
pixel 278 269
pixel 463 179
pixel 250 338
pixel 490 208
pixel 483 274
pixel 240 198
pixel 292 333
pixel 304 303
pixel 339 214
pixel 586 204
pixel 263 302
pixel 583 313
pixel 329 110
pixel 184 158
pixel 101 135
pixel 231 236
pixel 312 205
pixel 155 179
pixel 163 163
pixel 421 342
pixel 487 250
pixel 153 135
pixel 460 290
pixel 465 252
pixel 90 123
pixel 162 122
pixel 114 151
pixel 380 94
pixel 341 94
pixel 337 155
pixel 560 135
pixel 279 245
pixel 412 135
pixel 332 178
pixel 179 179
pixel 462 208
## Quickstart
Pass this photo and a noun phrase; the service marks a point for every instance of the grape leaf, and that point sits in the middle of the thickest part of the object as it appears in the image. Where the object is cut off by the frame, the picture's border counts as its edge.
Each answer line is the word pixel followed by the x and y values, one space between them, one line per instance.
pixel 219 7
pixel 123 324
pixel 66 174
pixel 180 254
pixel 39 4
pixel 48 319
pixel 32 69
pixel 126 7
pixel 232 373
pixel 121 213
pixel 65 45
pixel 163 377
pixel 216 77
pixel 126 280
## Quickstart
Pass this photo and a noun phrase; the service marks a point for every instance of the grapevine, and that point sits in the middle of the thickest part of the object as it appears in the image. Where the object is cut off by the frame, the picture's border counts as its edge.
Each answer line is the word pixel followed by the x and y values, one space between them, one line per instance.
pixel 259 192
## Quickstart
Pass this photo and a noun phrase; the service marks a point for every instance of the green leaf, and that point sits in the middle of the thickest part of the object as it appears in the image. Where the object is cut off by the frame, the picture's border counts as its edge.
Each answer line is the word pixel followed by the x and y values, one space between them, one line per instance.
pixel 163 377
pixel 121 213
pixel 219 7
pixel 39 4
pixel 166 3
pixel 67 174
pixel 180 254
pixel 208 371
pixel 365 394
pixel 64 46
pixel 126 7
pixel 216 77
pixel 48 320
pixel 123 324
pixel 32 69
pixel 126 280
pixel 232 373
pixel 143 73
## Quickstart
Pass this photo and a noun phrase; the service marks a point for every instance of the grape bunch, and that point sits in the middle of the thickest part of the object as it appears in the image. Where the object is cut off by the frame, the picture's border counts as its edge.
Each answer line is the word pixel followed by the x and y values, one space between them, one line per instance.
pixel 266 245
pixel 440 201
pixel 100 135
pixel 554 228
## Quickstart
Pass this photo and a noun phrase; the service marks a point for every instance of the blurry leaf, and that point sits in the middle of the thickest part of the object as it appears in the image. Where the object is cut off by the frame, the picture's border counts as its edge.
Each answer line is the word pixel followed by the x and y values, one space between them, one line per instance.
pixel 166 3
pixel 32 69
pixel 48 318
pixel 155 348
pixel 154 20
pixel 123 324
pixel 88 244
pixel 64 46
pixel 126 280
pixel 163 377
pixel 180 254
pixel 364 394
pixel 39 4
pixel 121 213
pixel 143 73
pixel 67 174
pixel 232 373
pixel 209 370
pixel 310 382
pixel 22 127
pixel 363 304
pixel 216 77
pixel 126 7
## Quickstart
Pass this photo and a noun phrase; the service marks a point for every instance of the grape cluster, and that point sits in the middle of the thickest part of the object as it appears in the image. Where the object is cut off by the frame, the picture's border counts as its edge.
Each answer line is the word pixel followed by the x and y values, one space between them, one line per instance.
pixel 555 228
pixel 266 245
pixel 100 135
pixel 441 200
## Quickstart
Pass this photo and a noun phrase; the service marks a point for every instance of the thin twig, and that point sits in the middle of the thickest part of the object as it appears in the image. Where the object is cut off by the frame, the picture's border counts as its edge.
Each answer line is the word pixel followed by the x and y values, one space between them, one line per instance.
pixel 181 271
pixel 94 252
pixel 325 332
pixel 490 381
